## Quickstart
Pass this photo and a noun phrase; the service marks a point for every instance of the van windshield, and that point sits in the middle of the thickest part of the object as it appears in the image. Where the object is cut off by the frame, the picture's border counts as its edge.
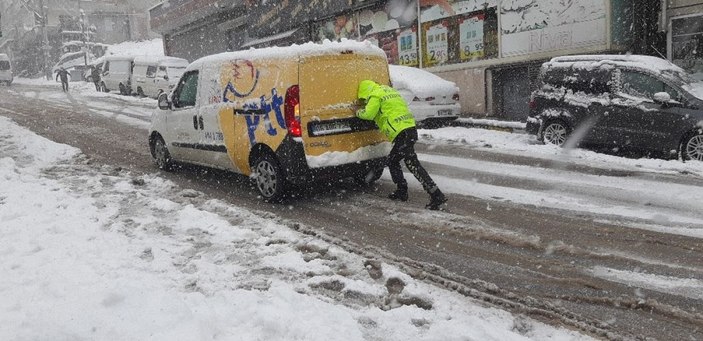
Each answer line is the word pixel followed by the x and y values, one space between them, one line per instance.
pixel 176 72
pixel 4 65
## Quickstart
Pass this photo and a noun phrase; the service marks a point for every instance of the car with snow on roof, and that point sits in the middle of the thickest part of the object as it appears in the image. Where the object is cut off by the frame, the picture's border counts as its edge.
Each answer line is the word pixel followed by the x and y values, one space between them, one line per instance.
pixel 431 99
pixel 282 116
pixel 619 103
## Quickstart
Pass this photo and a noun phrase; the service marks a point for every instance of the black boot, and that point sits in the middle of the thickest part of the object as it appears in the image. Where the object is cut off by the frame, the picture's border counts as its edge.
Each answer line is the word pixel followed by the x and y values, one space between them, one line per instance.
pixel 400 194
pixel 437 198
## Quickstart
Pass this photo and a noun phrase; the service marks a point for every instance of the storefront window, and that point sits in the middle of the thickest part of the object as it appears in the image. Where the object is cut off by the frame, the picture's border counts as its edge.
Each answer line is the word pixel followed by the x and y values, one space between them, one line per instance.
pixel 458 33
pixel 393 28
pixel 687 44
pixel 342 26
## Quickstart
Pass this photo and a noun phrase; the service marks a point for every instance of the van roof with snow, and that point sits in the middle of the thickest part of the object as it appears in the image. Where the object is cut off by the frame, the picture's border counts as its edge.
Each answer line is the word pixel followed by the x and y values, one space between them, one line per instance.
pixel 308 49
pixel 161 60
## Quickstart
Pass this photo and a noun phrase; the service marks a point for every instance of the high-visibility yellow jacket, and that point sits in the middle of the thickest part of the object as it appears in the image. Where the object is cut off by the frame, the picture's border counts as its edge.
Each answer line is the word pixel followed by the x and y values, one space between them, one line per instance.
pixel 386 107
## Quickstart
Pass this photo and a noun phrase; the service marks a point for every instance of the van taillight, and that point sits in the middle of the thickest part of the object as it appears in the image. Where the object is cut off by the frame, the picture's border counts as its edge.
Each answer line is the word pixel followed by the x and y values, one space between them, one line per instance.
pixel 291 110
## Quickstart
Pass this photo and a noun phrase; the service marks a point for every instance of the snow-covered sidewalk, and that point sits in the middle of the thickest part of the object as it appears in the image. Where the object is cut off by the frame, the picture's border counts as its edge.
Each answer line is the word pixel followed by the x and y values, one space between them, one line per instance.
pixel 95 253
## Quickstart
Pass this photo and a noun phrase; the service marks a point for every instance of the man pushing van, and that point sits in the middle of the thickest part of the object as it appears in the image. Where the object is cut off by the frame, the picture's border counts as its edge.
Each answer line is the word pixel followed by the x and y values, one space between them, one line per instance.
pixel 385 106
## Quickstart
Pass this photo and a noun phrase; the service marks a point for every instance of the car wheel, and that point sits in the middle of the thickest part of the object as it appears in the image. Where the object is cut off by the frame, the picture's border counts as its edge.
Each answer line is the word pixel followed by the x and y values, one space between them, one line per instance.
pixel 269 178
pixel 369 177
pixel 162 158
pixel 555 132
pixel 692 148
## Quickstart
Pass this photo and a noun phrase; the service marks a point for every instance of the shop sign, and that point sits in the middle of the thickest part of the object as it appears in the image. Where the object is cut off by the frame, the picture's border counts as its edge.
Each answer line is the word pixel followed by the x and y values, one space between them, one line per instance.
pixel 471 37
pixel 437 45
pixel 407 47
pixel 551 26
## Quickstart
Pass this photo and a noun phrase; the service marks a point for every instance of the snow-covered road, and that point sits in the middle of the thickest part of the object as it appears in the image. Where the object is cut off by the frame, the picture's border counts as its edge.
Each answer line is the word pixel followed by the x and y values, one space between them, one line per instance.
pixel 608 194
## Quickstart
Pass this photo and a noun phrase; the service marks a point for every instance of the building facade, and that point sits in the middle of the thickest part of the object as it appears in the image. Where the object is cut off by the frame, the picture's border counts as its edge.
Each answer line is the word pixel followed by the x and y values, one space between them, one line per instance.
pixel 682 21
pixel 68 24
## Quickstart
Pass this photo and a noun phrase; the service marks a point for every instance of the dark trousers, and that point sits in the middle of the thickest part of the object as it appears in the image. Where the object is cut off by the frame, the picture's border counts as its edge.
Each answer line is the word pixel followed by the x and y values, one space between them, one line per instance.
pixel 404 149
pixel 64 85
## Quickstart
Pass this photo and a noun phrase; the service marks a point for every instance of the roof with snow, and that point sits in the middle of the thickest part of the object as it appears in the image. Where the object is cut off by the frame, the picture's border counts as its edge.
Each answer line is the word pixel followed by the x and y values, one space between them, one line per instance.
pixel 597 61
pixel 161 60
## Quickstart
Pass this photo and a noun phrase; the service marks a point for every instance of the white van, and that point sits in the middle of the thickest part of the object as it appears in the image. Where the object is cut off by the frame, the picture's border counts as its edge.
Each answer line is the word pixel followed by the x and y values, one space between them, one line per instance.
pixel 154 75
pixel 117 74
pixel 5 69
pixel 281 116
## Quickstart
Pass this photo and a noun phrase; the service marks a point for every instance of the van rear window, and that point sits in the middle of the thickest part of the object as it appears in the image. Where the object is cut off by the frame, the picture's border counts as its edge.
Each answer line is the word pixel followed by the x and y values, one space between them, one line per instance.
pixel 4 65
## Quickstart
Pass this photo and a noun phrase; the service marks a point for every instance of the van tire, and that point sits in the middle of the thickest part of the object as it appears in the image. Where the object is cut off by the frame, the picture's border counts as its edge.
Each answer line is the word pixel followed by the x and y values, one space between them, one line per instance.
pixel 103 88
pixel 123 89
pixel 269 178
pixel 140 92
pixel 368 178
pixel 159 151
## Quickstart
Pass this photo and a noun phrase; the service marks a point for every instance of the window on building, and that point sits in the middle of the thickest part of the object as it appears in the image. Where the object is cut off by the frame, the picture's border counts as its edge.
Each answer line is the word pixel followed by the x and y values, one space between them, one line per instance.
pixel 687 44
pixel 459 38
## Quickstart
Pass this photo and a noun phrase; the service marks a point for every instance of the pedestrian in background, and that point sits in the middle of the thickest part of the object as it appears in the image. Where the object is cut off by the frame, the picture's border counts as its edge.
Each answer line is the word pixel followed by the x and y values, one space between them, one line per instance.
pixel 95 75
pixel 385 106
pixel 63 74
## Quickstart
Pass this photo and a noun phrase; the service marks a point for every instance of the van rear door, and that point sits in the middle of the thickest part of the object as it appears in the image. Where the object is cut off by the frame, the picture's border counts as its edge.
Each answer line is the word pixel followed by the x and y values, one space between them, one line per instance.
pixel 332 134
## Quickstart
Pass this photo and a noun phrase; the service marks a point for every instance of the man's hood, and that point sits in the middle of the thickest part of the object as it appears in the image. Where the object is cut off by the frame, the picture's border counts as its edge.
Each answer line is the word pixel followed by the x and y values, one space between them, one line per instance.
pixel 365 88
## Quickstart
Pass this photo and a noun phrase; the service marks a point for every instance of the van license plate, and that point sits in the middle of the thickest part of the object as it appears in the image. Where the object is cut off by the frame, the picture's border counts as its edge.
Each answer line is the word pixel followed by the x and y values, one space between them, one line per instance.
pixel 445 112
pixel 329 128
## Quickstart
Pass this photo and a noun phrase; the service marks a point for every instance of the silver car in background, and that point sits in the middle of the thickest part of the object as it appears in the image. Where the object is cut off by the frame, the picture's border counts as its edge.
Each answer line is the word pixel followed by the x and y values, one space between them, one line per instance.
pixel 431 99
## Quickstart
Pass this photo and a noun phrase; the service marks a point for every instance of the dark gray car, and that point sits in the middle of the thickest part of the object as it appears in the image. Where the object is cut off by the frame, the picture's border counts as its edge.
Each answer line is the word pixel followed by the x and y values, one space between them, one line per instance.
pixel 619 102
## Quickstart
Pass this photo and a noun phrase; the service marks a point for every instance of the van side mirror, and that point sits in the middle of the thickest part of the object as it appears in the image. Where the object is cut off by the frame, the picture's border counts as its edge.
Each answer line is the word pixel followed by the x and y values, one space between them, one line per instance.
pixel 164 103
pixel 662 97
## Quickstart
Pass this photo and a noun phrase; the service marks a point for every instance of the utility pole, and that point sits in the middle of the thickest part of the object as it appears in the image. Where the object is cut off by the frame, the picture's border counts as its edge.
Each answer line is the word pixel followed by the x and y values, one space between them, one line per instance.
pixel 45 40
pixel 83 35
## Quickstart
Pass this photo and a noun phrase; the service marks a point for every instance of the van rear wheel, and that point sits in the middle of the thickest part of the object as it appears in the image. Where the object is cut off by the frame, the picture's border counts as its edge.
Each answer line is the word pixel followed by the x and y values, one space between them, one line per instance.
pixel 269 178
pixel 369 177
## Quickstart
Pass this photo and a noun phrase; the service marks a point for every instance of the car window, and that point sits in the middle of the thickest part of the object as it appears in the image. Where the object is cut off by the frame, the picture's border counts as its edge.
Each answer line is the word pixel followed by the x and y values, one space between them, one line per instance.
pixel 151 71
pixel 186 92
pixel 579 80
pixel 645 86
pixel 162 72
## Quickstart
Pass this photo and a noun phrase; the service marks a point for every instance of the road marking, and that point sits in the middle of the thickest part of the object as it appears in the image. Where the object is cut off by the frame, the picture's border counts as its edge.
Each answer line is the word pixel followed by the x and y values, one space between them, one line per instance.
pixel 13 112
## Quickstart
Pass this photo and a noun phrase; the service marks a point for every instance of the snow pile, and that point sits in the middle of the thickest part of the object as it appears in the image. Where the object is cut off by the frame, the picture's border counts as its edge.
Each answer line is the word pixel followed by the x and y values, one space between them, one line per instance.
pixel 421 83
pixel 154 47
pixel 330 159
pixel 92 253
pixel 295 51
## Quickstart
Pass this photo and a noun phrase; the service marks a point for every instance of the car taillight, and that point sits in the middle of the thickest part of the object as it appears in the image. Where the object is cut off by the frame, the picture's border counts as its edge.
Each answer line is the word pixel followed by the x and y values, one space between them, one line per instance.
pixel 291 109
pixel 456 97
